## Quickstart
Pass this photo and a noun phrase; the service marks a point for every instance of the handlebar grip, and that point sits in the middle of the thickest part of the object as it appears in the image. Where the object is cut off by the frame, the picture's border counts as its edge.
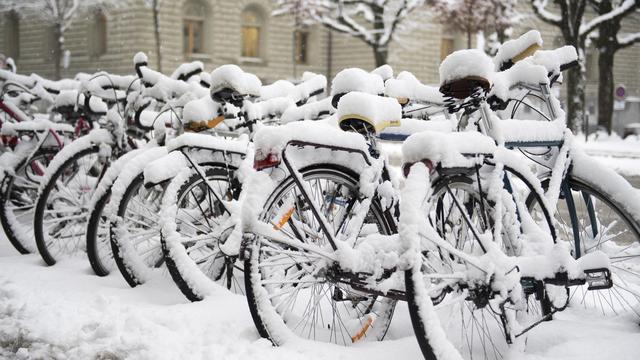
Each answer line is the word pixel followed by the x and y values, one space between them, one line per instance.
pixel 136 118
pixel 570 65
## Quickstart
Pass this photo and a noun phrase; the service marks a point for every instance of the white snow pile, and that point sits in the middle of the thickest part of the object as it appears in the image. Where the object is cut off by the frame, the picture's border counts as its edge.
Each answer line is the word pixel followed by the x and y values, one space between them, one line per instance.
pixel 522 72
pixel 269 108
pixel 312 84
pixel 407 86
pixel 279 88
pixel 385 72
pixel 68 98
pixel 378 111
pixel 510 50
pixel 410 126
pixel 274 139
pixel 203 109
pixel 446 148
pixel 23 80
pixel 12 129
pixel 552 60
pixel 354 79
pixel 187 70
pixel 232 76
pixel 309 111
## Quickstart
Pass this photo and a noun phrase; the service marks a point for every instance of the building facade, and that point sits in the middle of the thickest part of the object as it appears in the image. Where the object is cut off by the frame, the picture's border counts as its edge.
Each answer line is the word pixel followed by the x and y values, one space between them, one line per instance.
pixel 244 32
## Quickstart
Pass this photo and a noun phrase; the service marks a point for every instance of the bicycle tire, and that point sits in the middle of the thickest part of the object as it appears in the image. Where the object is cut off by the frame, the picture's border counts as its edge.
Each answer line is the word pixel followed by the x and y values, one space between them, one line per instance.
pixel 21 239
pixel 269 322
pixel 624 296
pixel 133 270
pixel 43 243
pixel 421 310
pixel 186 278
pixel 97 237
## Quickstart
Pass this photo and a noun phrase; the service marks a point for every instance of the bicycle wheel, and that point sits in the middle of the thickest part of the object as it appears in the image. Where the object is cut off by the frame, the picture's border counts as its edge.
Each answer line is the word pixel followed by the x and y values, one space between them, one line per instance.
pixel 475 321
pixel 97 238
pixel 289 290
pixel 60 218
pixel 601 224
pixel 135 234
pixel 18 192
pixel 196 230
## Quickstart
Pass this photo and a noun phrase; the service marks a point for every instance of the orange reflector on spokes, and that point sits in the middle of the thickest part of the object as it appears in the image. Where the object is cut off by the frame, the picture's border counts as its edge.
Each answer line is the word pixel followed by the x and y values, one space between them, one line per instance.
pixel 283 220
pixel 363 330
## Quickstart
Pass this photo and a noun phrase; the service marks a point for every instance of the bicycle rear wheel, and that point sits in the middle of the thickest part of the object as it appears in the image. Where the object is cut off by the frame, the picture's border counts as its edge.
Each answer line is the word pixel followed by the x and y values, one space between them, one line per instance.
pixel 289 290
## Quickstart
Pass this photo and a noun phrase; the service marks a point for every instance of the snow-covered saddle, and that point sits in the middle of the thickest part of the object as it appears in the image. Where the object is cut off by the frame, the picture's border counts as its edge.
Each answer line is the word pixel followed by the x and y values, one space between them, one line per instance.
pixel 366 113
pixel 232 77
pixel 518 49
pixel 355 79
pixel 464 71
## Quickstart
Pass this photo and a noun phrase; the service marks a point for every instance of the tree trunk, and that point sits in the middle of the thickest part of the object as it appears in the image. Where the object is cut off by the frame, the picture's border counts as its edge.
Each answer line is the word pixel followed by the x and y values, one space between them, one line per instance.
pixel 57 51
pixel 575 98
pixel 380 54
pixel 156 32
pixel 468 39
pixel 605 90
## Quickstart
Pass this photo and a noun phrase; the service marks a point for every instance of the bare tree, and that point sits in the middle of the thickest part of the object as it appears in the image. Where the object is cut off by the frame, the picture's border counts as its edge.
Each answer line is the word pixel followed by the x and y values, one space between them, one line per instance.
pixel 59 13
pixel 375 22
pixel 155 9
pixel 575 29
pixel 608 40
pixel 474 16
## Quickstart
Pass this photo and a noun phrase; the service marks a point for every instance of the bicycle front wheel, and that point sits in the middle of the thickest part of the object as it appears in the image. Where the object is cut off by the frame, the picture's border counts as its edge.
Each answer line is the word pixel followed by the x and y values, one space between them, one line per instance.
pixel 593 220
pixel 194 232
pixel 19 192
pixel 60 218
pixel 443 303
pixel 289 291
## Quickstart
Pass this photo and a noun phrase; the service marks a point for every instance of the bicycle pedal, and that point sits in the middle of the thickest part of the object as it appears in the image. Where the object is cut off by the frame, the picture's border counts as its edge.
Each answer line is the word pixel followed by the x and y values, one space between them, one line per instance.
pixel 598 279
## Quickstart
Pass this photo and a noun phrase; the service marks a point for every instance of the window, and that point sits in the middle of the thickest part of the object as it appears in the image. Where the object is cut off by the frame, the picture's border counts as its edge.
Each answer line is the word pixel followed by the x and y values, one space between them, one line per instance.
pixel 446 47
pixel 301 41
pixel 12 35
pixel 98 34
pixel 252 29
pixel 193 28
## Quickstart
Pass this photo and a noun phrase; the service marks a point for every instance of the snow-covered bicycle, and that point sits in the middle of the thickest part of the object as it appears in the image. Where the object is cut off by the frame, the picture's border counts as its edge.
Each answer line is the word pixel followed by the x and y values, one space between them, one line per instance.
pixel 320 259
pixel 212 160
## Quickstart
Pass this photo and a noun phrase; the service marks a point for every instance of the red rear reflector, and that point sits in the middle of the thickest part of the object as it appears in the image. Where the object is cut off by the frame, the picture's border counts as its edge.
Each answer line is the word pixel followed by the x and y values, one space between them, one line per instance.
pixel 265 162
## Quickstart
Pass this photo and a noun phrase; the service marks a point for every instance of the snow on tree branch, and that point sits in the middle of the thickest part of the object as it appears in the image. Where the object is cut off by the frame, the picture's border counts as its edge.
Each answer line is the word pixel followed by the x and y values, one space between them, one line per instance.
pixel 373 21
pixel 618 12
pixel 628 39
pixel 539 7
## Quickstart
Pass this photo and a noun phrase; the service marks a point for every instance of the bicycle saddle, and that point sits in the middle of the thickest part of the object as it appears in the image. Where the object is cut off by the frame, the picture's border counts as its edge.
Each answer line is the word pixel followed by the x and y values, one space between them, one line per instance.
pixel 367 114
pixel 230 81
pixel 465 71
pixel 515 50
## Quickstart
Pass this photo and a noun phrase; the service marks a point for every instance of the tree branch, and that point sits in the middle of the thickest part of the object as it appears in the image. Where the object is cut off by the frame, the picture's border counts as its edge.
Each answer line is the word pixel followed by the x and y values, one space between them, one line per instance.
pixel 539 8
pixel 628 40
pixel 620 11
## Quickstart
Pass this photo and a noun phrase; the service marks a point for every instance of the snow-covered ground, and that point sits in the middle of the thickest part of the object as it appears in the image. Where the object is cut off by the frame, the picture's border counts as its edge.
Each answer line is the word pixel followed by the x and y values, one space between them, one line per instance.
pixel 66 312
